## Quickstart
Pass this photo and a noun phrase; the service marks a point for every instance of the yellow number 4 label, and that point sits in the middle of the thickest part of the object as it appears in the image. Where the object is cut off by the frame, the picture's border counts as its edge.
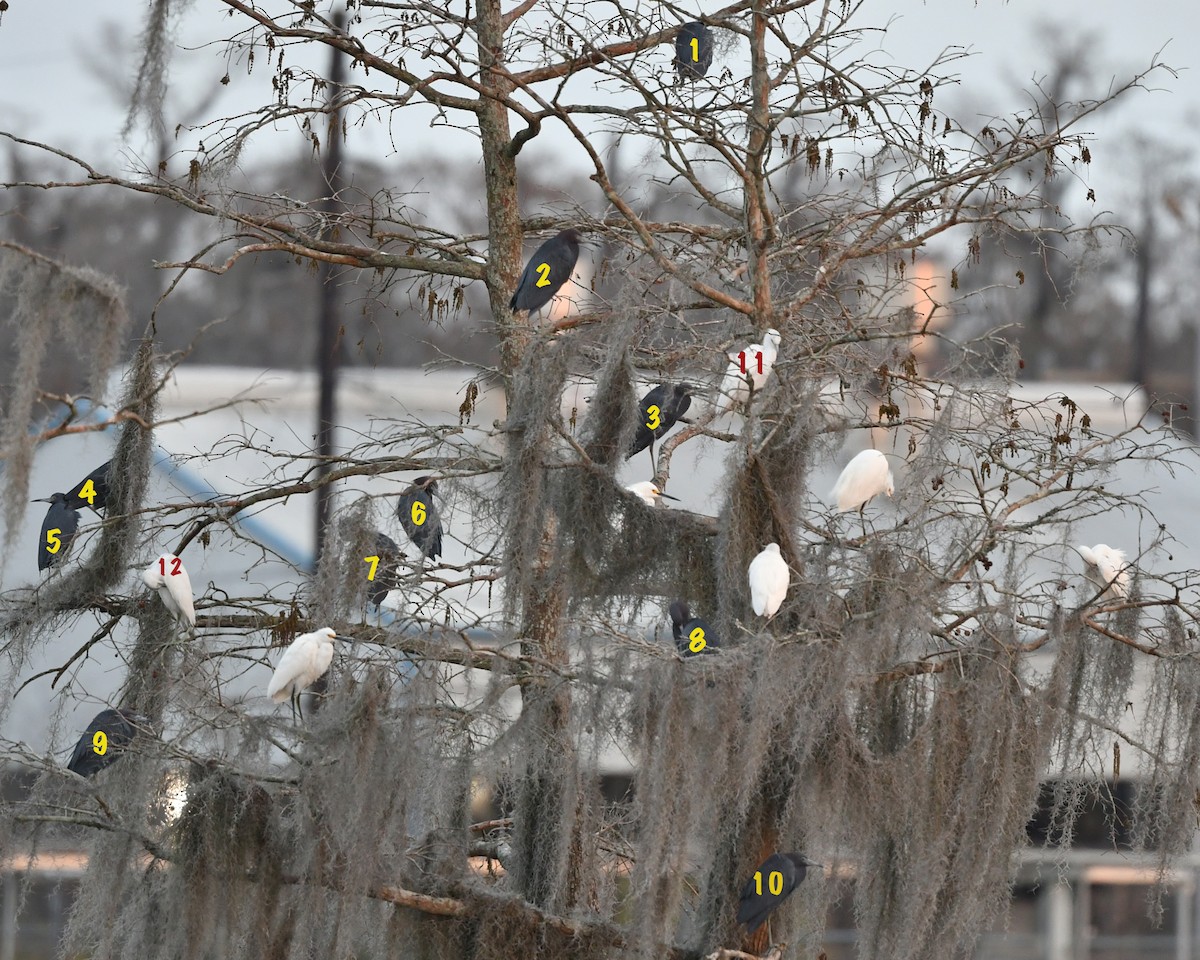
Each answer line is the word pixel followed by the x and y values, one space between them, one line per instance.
pixel 654 421
pixel 53 544
pixel 543 270
pixel 374 562
pixel 88 493
pixel 696 641
pixel 418 512
pixel 100 743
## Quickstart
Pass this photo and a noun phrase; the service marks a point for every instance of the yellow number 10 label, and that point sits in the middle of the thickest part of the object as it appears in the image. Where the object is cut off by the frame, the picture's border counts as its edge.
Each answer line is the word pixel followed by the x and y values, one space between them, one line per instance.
pixel 774 882
pixel 374 562
pixel 543 270
pixel 100 743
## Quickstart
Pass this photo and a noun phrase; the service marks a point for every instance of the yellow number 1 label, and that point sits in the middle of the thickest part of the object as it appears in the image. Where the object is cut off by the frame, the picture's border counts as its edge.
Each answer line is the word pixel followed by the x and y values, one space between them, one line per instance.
pixel 88 493
pixel 100 743
pixel 696 641
pixel 543 270
pixel 652 411
pixel 52 542
pixel 374 562
pixel 695 50
pixel 418 512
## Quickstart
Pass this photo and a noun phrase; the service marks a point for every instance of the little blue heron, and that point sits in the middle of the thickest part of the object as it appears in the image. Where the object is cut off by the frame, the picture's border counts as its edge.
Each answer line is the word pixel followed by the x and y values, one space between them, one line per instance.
pixel 660 410
pixel 106 739
pixel 92 490
pixel 773 882
pixel 547 270
pixel 382 577
pixel 693 50
pixel 58 531
pixel 692 635
pixel 419 516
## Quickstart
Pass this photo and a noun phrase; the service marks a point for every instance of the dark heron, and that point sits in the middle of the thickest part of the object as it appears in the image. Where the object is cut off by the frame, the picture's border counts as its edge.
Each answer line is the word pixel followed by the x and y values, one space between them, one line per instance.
pixel 693 50
pixel 383 578
pixel 58 530
pixel 692 635
pixel 772 883
pixel 420 518
pixel 92 490
pixel 547 270
pixel 107 737
pixel 661 409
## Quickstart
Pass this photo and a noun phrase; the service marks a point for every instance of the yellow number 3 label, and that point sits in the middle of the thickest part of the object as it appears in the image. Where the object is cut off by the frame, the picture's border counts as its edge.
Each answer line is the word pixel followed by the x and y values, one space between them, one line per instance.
pixel 52 542
pixel 418 512
pixel 100 742
pixel 696 641
pixel 543 270
pixel 653 422
pixel 374 562
pixel 88 493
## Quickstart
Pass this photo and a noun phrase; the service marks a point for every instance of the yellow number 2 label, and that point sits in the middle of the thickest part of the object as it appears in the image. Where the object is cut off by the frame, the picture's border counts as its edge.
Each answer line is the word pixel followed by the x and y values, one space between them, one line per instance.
pixel 374 562
pixel 52 542
pixel 88 493
pixel 418 512
pixel 696 641
pixel 653 421
pixel 100 743
pixel 543 270
pixel 695 50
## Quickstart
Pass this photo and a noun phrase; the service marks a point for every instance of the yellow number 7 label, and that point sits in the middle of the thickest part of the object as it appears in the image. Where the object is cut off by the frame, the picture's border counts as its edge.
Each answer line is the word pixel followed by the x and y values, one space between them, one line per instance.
pixel 374 562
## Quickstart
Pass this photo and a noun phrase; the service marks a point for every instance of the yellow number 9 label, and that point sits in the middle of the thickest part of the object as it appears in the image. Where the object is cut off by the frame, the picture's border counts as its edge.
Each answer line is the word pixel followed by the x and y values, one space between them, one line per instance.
pixel 653 421
pixel 100 743
pixel 418 512
pixel 543 270
pixel 696 641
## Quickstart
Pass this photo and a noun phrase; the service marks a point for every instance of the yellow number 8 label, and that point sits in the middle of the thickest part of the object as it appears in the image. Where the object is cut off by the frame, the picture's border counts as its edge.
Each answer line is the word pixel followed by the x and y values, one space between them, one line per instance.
pixel 696 641
pixel 543 270
pixel 418 512
pixel 653 421
pixel 100 742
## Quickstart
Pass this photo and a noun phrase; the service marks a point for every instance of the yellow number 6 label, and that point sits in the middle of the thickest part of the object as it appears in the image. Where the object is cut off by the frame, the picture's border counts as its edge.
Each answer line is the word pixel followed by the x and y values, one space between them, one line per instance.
pixel 418 512
pixel 53 544
pixel 374 562
pixel 100 742
pixel 543 270
pixel 654 421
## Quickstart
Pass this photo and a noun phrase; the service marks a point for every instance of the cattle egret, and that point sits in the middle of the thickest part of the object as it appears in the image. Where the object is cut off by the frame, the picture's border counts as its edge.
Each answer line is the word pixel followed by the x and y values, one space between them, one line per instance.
pixel 751 366
pixel 58 531
pixel 302 664
pixel 773 882
pixel 693 50
pixel 649 492
pixel 92 490
pixel 167 577
pixel 769 579
pixel 660 410
pixel 106 739
pixel 547 270
pixel 382 579
pixel 864 477
pixel 692 635
pixel 420 517
pixel 1105 567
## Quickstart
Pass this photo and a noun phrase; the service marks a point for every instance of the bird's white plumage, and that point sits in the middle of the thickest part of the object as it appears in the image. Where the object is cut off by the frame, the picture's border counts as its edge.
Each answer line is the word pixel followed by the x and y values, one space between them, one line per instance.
pixel 174 589
pixel 865 476
pixel 647 490
pixel 1105 567
pixel 769 580
pixel 302 663
pixel 735 386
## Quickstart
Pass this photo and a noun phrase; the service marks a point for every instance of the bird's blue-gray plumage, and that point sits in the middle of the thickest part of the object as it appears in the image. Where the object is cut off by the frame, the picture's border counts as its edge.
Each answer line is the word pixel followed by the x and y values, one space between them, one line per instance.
pixel 385 574
pixel 99 479
pixel 682 625
pixel 672 401
pixel 551 266
pixel 62 518
pixel 693 62
pixel 755 907
pixel 427 535
pixel 120 727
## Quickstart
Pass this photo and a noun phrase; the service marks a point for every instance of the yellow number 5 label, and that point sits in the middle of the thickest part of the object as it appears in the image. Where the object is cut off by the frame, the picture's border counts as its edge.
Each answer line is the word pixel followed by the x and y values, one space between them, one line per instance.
pixel 53 544
pixel 653 421
pixel 374 562
pixel 100 743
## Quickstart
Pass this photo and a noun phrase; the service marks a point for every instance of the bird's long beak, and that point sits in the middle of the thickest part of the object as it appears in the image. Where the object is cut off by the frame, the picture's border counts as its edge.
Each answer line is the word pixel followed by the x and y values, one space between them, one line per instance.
pixel 42 500
pixel 667 496
pixel 332 634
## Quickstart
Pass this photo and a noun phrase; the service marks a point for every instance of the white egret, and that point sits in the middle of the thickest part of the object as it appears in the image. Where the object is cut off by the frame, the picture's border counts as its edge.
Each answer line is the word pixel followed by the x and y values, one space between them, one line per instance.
pixel 864 477
pixel 167 577
pixel 649 493
pixel 769 579
pixel 1105 567
pixel 302 664
pixel 750 366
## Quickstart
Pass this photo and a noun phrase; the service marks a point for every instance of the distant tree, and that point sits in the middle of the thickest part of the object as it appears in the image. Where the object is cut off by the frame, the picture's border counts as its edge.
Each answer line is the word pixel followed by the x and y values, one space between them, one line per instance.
pixel 887 717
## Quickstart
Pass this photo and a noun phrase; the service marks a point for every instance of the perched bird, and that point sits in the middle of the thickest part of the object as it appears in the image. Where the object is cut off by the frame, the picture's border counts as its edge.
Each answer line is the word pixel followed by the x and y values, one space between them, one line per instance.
pixel 547 270
pixel 660 410
pixel 419 516
pixel 769 579
pixel 693 50
pixel 1105 567
pixel 167 577
pixel 692 635
pixel 773 882
pixel 384 580
pixel 58 531
pixel 750 366
pixel 302 664
pixel 107 737
pixel 648 492
pixel 92 490
pixel 864 477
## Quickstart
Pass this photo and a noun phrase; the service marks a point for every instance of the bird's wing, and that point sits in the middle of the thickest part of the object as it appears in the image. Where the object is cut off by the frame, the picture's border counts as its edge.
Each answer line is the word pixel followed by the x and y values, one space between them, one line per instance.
pixel 179 586
pixel 291 666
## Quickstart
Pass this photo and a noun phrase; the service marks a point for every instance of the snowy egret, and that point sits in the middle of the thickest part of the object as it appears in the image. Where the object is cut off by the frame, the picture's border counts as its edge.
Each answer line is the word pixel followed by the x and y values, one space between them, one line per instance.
pixel 769 579
pixel 382 577
pixel 547 270
pixel 649 492
pixel 693 50
pixel 751 366
pixel 420 518
pixel 106 739
pixel 1105 567
pixel 92 490
pixel 692 635
pixel 167 577
pixel 774 881
pixel 302 664
pixel 864 477
pixel 660 410
pixel 58 531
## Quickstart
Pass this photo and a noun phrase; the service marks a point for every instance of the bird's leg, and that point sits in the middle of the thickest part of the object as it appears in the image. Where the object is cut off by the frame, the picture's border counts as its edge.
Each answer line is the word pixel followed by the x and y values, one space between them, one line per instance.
pixel 296 711
pixel 770 939
pixel 862 518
